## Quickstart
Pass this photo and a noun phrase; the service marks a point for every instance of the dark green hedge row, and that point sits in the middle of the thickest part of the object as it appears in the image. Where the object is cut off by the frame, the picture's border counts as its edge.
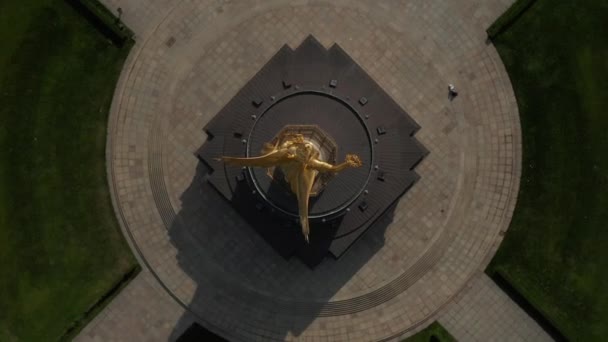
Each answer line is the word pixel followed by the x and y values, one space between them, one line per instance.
pixel 104 20
pixel 506 19
pixel 96 308
pixel 519 296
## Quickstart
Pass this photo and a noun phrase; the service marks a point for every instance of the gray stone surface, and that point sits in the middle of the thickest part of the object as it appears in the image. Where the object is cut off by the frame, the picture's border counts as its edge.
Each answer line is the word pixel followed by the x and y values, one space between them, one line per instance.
pixel 482 312
pixel 191 57
pixel 143 311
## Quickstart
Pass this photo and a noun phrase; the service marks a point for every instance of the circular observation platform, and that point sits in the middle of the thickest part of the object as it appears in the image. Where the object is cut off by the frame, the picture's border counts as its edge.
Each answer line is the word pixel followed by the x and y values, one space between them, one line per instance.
pixel 335 129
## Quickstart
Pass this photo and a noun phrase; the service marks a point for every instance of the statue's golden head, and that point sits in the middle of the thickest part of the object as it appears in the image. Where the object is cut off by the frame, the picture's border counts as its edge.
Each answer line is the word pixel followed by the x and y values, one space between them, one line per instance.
pixel 304 151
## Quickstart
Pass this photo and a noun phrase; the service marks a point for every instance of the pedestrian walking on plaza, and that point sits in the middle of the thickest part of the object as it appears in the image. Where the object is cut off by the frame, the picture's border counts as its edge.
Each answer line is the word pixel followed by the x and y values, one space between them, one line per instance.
pixel 452 93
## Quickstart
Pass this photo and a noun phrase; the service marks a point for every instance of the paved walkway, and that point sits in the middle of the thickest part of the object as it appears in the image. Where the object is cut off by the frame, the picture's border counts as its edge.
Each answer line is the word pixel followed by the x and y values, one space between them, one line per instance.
pixel 484 313
pixel 204 263
pixel 143 311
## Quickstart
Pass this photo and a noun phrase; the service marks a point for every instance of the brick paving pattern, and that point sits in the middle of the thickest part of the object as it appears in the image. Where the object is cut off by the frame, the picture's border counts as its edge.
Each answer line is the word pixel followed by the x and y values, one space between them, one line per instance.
pixel 191 57
pixel 484 313
pixel 143 311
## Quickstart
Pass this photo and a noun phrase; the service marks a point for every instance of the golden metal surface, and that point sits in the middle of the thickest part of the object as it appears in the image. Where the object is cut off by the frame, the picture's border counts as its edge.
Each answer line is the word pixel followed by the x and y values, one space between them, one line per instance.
pixel 299 161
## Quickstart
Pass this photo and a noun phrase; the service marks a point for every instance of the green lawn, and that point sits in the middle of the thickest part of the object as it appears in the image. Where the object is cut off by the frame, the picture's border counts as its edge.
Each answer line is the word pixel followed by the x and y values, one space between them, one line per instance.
pixel 436 330
pixel 556 249
pixel 60 246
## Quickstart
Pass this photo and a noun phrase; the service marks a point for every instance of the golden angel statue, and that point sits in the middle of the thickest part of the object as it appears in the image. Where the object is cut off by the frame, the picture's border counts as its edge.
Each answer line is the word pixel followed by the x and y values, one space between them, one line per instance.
pixel 299 161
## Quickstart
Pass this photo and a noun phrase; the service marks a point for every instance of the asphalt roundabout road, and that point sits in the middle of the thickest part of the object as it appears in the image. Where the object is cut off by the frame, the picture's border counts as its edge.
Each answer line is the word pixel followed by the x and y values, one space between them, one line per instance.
pixel 402 272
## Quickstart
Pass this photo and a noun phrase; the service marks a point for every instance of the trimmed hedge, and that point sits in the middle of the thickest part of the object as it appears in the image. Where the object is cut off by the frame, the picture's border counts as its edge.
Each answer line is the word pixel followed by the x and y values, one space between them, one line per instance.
pixel 519 296
pixel 76 326
pixel 509 17
pixel 104 20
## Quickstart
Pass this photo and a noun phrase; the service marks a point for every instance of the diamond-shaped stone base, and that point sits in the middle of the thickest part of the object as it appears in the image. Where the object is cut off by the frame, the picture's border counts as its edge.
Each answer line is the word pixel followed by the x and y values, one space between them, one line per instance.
pixel 316 87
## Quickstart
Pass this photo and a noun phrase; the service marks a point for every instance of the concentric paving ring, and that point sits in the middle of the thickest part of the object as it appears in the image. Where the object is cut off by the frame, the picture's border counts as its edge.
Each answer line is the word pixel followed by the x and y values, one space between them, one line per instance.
pixel 443 232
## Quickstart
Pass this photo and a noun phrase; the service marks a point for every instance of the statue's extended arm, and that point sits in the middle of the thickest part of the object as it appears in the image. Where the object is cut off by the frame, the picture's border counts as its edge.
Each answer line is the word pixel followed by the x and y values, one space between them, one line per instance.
pixel 271 159
pixel 352 160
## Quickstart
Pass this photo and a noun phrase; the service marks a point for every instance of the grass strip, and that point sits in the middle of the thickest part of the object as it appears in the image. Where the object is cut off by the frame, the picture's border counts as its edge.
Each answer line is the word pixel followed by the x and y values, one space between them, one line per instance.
pixel 516 10
pixel 61 248
pixel 556 249
pixel 433 333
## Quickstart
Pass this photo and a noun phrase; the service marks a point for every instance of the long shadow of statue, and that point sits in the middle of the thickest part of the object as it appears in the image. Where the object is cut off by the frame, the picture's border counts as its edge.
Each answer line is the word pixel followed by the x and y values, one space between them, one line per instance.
pixel 235 284
pixel 243 289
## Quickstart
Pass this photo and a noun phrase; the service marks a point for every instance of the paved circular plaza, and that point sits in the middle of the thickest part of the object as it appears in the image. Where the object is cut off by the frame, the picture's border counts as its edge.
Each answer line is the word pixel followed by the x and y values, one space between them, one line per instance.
pixel 400 274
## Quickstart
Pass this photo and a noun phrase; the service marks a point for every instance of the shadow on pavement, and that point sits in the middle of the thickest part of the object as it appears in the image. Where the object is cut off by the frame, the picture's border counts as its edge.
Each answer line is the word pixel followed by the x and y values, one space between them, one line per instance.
pixel 244 289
